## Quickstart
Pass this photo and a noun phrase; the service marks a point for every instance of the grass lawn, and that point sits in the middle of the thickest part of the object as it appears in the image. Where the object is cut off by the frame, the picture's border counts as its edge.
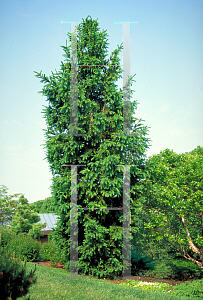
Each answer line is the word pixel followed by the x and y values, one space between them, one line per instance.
pixel 53 284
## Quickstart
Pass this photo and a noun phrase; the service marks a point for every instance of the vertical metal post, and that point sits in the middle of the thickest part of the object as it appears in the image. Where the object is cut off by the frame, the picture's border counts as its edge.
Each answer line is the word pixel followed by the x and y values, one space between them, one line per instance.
pixel 73 224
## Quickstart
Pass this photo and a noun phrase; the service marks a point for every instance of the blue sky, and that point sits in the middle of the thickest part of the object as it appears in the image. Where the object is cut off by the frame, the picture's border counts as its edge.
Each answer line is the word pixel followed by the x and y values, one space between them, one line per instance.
pixel 166 55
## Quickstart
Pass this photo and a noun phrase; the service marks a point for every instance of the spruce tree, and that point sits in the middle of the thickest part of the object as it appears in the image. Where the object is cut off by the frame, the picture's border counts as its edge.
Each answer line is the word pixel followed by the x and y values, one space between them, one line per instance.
pixel 15 280
pixel 99 145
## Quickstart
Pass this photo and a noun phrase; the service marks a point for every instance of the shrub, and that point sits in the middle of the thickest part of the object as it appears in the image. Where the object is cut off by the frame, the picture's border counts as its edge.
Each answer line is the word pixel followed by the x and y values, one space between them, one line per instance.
pixel 183 269
pixel 25 247
pixel 194 288
pixel 7 236
pixel 160 270
pixel 178 269
pixel 14 282
pixel 47 250
pixel 50 252
pixel 140 263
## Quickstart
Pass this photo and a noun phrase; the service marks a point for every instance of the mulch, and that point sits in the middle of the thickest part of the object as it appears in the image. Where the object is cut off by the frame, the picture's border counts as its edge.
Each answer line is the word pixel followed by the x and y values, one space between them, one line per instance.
pixel 118 279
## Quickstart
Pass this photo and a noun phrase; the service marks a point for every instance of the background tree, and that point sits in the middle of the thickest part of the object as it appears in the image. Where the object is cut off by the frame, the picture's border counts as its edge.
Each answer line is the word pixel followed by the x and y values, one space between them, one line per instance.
pixel 172 214
pixel 100 183
pixel 7 205
pixel 43 206
pixel 25 220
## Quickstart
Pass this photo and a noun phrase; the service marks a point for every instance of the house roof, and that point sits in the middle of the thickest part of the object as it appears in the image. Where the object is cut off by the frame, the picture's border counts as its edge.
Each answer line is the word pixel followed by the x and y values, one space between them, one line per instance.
pixel 50 219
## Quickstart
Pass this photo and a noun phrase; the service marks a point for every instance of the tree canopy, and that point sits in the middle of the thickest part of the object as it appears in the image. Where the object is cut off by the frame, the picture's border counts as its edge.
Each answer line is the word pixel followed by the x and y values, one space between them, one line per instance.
pixel 172 213
pixel 25 220
pixel 43 206
pixel 8 204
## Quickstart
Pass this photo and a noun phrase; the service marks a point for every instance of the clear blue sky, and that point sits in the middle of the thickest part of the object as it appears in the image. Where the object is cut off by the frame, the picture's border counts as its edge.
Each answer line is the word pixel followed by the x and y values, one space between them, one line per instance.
pixel 166 55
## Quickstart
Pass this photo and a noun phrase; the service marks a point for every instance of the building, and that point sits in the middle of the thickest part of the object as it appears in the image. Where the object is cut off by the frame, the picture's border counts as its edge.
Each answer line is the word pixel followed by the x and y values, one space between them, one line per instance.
pixel 51 220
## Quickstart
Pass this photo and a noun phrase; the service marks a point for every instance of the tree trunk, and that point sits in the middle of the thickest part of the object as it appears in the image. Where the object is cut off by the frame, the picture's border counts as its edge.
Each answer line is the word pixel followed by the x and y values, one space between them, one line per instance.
pixel 191 245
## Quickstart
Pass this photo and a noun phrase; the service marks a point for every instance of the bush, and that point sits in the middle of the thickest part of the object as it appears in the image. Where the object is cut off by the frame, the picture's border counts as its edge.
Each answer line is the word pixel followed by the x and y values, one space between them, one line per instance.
pixel 50 252
pixel 25 247
pixel 177 269
pixel 47 250
pixel 140 263
pixel 7 236
pixel 194 288
pixel 160 270
pixel 183 269
pixel 14 282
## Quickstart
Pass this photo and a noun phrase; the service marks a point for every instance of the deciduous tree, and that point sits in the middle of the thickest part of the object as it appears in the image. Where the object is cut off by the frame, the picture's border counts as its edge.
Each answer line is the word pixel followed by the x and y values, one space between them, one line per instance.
pixel 43 206
pixel 173 212
pixel 26 220
pixel 7 205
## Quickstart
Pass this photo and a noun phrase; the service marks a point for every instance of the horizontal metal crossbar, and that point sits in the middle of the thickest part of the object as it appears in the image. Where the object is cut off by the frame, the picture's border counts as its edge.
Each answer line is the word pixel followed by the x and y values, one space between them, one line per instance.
pixel 108 208
pixel 98 65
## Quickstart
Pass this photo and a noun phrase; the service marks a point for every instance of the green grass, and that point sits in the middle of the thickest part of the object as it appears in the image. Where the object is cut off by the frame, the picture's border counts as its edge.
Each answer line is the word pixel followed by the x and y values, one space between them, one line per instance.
pixel 54 284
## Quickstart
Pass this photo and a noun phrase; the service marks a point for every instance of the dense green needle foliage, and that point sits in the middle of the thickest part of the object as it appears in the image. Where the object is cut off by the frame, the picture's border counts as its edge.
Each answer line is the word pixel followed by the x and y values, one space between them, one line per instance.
pixel 14 278
pixel 100 181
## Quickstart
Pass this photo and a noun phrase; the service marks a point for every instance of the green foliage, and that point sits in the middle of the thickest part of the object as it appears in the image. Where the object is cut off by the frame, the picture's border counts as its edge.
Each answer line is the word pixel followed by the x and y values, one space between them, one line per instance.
pixel 24 220
pixel 98 255
pixel 35 231
pixel 171 215
pixel 160 270
pixel 176 269
pixel 183 269
pixel 50 252
pixel 140 263
pixel 25 247
pixel 7 205
pixel 147 286
pixel 100 119
pixel 6 236
pixel 189 289
pixel 43 206
pixel 46 251
pixel 14 279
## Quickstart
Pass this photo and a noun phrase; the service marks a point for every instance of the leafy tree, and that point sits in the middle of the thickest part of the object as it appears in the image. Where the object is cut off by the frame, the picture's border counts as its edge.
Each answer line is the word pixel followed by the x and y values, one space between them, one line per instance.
pixel 172 214
pixel 43 206
pixel 25 220
pixel 100 182
pixel 7 205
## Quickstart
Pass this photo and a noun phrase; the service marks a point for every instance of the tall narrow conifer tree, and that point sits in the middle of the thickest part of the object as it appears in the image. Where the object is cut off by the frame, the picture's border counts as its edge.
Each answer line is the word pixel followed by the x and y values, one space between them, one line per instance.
pixel 101 149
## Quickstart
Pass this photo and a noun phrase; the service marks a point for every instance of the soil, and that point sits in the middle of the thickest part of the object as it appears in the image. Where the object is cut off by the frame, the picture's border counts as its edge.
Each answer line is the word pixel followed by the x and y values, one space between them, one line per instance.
pixel 118 279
